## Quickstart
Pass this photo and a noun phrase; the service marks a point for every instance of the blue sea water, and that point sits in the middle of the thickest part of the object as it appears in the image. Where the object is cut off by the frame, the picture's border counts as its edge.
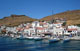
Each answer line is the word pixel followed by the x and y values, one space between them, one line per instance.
pixel 8 44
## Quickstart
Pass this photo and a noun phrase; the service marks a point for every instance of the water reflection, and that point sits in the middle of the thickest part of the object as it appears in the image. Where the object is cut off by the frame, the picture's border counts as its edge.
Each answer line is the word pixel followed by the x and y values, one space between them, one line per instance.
pixel 8 44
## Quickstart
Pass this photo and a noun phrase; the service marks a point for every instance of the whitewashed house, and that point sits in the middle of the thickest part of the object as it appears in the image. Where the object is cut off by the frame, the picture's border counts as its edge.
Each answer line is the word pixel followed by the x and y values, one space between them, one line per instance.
pixel 71 30
pixel 58 29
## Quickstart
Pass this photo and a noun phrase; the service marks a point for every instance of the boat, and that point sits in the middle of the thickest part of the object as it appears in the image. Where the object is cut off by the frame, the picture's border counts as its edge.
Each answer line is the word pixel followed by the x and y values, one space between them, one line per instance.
pixel 30 37
pixel 66 39
pixel 53 40
pixel 19 37
pixel 37 38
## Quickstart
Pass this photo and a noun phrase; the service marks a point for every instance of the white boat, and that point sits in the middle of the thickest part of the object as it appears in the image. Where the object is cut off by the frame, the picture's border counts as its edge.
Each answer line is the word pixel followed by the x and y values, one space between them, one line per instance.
pixel 52 40
pixel 30 37
pixel 17 36
pixel 66 39
pixel 38 38
pixel 12 35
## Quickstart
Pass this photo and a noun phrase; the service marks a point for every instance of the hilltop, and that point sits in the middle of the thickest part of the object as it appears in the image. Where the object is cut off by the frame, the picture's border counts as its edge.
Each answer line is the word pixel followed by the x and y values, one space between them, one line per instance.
pixel 73 17
pixel 15 20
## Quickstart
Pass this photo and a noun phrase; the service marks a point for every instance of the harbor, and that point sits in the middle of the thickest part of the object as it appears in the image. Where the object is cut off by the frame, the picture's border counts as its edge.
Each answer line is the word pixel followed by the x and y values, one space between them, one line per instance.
pixel 8 44
pixel 43 30
pixel 39 25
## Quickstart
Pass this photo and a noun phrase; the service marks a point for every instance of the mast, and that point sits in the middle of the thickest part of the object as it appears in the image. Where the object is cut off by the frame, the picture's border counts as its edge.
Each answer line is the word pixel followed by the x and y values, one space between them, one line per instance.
pixel 52 14
pixel 36 28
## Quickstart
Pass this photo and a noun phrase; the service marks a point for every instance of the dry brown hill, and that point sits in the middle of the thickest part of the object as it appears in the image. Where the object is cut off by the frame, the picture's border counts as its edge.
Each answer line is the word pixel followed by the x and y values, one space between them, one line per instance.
pixel 73 17
pixel 14 20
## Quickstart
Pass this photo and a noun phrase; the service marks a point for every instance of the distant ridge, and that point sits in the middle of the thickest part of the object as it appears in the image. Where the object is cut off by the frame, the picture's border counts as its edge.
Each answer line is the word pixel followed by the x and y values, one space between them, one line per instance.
pixel 15 20
pixel 73 17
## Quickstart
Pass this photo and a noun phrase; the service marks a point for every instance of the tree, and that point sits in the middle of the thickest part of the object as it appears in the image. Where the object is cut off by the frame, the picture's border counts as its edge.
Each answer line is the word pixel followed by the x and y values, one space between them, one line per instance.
pixel 64 24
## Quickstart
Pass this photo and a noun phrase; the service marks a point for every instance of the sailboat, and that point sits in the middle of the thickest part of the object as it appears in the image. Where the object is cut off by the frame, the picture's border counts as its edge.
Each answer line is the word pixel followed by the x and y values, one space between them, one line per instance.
pixel 36 37
pixel 65 38
pixel 20 36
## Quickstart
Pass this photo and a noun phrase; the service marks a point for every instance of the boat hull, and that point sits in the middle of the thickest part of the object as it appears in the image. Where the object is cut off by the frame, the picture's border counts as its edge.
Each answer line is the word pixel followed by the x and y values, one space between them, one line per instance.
pixel 53 41
pixel 66 40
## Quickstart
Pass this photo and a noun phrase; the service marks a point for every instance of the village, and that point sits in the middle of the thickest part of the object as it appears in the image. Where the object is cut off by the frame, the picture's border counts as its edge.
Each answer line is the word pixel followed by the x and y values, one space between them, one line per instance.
pixel 53 31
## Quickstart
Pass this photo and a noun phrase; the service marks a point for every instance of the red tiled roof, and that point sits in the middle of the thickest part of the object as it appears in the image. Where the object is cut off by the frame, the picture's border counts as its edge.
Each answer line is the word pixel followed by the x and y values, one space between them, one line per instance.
pixel 57 23
pixel 19 29
pixel 42 23
pixel 71 29
pixel 40 28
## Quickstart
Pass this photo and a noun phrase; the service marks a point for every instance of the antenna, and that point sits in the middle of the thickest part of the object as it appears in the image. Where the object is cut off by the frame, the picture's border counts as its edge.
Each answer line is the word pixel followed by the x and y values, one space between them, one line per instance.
pixel 52 12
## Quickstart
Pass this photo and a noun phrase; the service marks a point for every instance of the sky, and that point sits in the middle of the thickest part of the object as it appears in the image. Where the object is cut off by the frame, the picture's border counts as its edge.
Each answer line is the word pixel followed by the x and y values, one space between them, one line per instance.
pixel 36 8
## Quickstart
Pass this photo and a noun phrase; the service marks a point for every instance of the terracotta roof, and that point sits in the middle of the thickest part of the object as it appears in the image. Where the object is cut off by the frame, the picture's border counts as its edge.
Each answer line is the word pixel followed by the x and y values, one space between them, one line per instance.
pixel 40 28
pixel 57 23
pixel 43 23
pixel 71 29
pixel 19 29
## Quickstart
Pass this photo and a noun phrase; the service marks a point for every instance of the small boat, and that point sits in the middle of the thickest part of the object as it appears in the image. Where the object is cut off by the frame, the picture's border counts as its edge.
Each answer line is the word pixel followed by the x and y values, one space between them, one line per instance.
pixel 66 39
pixel 37 38
pixel 12 35
pixel 30 37
pixel 17 37
pixel 53 40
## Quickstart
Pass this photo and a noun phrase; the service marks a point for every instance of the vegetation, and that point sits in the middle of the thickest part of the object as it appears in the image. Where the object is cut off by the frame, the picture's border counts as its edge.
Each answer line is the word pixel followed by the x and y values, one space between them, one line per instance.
pixel 64 24
pixel 78 25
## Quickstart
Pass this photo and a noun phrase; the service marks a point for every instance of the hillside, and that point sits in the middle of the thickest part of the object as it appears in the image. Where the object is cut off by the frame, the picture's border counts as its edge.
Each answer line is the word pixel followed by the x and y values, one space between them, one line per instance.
pixel 73 17
pixel 14 20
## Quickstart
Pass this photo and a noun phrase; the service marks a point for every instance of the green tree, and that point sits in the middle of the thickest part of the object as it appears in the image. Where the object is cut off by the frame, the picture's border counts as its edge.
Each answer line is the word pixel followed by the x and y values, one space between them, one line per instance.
pixel 64 24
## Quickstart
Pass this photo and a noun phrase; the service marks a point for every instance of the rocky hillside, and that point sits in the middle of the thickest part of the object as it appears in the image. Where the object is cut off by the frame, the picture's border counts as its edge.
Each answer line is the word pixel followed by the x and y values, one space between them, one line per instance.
pixel 73 17
pixel 14 20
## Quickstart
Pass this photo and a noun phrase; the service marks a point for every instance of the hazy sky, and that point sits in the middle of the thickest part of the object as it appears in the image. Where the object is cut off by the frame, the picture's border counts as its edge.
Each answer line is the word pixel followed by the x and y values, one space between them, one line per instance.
pixel 36 8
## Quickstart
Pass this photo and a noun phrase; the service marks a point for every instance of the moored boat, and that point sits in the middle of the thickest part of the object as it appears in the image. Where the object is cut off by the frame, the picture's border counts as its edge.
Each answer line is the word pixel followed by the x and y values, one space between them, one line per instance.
pixel 52 40
pixel 30 37
pixel 37 38
pixel 66 39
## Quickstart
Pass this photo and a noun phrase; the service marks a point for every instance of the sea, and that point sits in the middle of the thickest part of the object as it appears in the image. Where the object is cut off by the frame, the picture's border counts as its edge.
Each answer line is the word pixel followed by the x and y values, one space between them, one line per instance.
pixel 10 44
